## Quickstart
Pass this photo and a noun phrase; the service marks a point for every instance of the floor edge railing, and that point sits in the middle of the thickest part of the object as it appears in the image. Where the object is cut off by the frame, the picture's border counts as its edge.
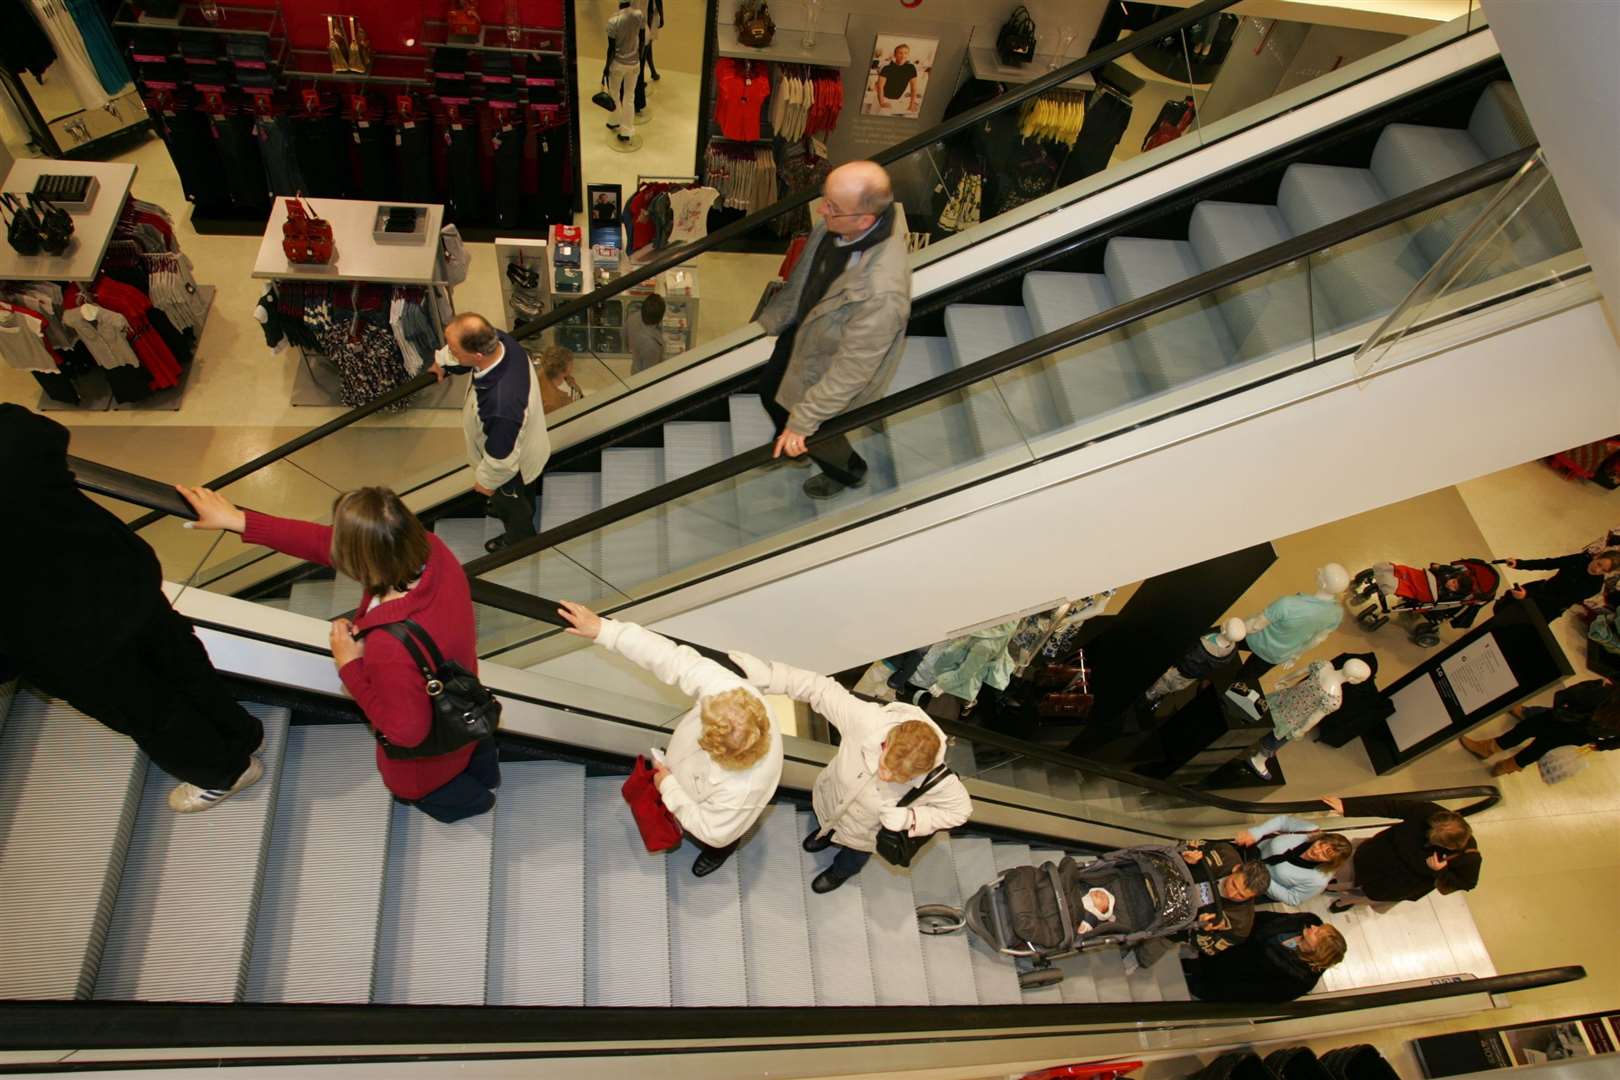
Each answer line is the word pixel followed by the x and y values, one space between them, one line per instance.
pixel 1192 288
pixel 1096 59
pixel 108 1025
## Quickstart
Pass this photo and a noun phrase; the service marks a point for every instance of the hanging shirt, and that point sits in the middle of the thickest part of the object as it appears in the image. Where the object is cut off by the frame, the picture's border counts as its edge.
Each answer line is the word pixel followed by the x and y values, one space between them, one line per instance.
pixel 106 335
pixel 690 207
pixel 22 340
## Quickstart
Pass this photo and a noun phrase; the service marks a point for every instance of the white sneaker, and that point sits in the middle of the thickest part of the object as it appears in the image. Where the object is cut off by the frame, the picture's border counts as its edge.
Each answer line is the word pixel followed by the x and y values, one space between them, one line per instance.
pixel 191 799
pixel 1257 762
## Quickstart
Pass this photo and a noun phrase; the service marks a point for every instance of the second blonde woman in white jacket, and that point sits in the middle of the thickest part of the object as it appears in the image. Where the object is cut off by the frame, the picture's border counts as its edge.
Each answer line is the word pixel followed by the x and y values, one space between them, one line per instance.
pixel 725 756
pixel 884 752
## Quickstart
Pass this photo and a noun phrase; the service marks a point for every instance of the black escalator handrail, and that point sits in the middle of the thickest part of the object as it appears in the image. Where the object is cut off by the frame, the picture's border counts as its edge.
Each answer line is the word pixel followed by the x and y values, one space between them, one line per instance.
pixel 106 1025
pixel 961 122
pixel 129 487
pixel 313 435
pixel 1106 322
pixel 1486 796
pixel 686 252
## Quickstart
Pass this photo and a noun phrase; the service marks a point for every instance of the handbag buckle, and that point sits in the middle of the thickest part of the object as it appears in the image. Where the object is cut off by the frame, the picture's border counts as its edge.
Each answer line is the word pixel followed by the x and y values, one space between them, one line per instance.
pixel 434 687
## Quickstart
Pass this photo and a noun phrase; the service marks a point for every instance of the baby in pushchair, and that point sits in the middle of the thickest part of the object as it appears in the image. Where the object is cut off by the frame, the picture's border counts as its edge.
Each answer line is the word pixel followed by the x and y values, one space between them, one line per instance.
pixel 1050 912
pixel 1450 592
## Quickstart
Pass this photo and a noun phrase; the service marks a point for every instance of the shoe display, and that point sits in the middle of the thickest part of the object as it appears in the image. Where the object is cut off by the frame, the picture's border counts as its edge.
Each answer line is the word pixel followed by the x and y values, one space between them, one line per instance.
pixel 191 799
pixel 826 882
pixel 816 842
pixel 1257 762
pixel 337 46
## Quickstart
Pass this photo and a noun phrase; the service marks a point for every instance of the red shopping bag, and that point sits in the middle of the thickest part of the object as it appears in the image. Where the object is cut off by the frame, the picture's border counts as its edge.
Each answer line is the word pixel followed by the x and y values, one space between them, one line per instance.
pixel 659 829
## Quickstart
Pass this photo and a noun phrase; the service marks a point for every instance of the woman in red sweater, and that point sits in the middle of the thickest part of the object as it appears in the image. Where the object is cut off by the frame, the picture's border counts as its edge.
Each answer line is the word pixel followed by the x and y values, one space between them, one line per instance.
pixel 407 573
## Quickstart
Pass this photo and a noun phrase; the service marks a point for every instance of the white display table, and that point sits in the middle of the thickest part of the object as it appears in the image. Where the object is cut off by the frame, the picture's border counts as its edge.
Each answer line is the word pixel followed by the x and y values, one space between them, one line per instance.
pixel 359 256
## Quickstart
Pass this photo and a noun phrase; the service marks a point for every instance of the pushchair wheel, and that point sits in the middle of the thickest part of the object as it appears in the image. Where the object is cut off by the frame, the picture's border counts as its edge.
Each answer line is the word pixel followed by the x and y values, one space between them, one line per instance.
pixel 939 919
pixel 1426 637
pixel 1369 617
pixel 1034 980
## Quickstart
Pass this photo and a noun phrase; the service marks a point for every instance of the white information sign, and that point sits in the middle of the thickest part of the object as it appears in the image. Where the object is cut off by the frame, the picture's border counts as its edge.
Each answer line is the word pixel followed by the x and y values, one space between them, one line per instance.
pixel 1479 674
pixel 1419 712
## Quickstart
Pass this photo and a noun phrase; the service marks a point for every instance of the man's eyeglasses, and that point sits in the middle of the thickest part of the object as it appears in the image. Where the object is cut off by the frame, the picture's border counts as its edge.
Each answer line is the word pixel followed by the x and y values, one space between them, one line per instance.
pixel 828 210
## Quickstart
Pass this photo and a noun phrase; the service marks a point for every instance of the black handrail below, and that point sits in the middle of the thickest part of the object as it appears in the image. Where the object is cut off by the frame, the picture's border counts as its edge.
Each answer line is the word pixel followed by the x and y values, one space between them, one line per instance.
pixel 1106 322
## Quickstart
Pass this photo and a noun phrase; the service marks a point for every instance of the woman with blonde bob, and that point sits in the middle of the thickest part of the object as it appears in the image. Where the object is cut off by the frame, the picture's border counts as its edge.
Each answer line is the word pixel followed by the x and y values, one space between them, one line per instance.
pixel 725 756
pixel 407 573
pixel 884 752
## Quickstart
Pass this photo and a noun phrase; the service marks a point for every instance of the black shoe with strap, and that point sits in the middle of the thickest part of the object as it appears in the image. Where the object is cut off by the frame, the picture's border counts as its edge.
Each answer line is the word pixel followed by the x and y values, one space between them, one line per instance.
pixel 816 842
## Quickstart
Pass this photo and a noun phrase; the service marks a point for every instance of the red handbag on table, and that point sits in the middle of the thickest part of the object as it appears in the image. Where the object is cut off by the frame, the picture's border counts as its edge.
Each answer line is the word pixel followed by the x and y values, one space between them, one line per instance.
pixel 659 829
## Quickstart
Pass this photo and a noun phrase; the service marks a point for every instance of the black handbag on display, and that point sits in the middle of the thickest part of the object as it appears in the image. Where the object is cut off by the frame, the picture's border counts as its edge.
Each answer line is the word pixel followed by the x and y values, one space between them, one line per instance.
pixel 55 225
pixel 604 99
pixel 1015 45
pixel 23 230
pixel 899 848
pixel 464 711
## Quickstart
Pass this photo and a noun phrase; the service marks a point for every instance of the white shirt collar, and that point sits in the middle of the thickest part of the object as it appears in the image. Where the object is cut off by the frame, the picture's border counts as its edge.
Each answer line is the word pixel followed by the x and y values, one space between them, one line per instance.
pixel 842 242
pixel 498 358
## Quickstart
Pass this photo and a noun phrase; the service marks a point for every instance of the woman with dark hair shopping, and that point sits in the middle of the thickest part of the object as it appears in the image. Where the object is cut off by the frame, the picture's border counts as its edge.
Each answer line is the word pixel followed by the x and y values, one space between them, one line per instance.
pixel 1586 714
pixel 407 573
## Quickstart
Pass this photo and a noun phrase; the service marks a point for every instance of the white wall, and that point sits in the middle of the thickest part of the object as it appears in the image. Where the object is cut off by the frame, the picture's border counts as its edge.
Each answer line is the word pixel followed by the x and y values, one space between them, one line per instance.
pixel 1296 453
pixel 1562 54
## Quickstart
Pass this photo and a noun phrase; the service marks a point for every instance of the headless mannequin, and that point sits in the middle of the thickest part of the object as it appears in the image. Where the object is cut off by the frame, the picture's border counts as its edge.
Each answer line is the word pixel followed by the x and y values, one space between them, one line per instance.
pixel 1295 624
pixel 626 44
pixel 1205 656
pixel 1300 705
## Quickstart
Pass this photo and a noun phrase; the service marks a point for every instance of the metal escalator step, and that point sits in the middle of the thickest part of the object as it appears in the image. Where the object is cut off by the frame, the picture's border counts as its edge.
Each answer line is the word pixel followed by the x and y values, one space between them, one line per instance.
pixel 945 957
pixel 841 950
pixel 1268 313
pixel 776 929
pixel 1020 401
pixel 315 936
pixel 1410 156
pixel 893 941
pixel 704 524
pixel 1097 375
pixel 1076 987
pixel 929 438
pixel 1108 975
pixel 69 791
pixel 435 928
pixel 182 927
pixel 465 536
pixel 750 425
pixel 626 905
pixel 8 694
pixel 706 965
pixel 959 756
pixel 1031 776
pixel 632 550
pixel 565 496
pixel 994 977
pixel 1064 782
pixel 1171 978
pixel 1184 343
pixel 537 886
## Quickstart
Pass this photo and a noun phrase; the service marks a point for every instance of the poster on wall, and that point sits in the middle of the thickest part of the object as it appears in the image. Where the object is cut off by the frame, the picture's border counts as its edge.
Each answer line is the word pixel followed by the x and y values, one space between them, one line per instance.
pixel 1463 1052
pixel 898 80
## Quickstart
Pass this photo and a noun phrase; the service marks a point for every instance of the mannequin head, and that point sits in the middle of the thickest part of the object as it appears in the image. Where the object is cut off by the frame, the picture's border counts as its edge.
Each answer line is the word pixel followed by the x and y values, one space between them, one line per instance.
pixel 853 197
pixel 1355 671
pixel 1332 579
pixel 1234 630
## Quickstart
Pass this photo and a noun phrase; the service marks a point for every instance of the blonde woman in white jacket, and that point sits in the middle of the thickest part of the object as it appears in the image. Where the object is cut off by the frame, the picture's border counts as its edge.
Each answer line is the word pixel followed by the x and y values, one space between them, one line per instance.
pixel 725 756
pixel 884 752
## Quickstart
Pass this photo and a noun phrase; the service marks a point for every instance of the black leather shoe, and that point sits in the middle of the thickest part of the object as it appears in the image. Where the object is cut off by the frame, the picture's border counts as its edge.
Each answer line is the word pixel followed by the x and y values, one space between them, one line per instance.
pixel 816 842
pixel 708 862
pixel 826 882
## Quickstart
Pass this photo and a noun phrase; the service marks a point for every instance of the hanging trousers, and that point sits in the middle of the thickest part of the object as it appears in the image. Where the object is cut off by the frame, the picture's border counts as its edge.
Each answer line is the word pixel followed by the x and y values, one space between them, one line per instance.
pixel 161 690
pixel 836 456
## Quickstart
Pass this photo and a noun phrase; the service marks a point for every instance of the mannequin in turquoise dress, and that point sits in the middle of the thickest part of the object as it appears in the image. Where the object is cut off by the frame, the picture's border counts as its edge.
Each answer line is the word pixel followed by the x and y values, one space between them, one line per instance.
pixel 1292 625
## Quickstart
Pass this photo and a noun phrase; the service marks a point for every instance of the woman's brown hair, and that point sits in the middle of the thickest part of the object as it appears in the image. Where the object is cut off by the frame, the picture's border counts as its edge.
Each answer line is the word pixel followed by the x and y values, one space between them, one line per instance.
pixel 1339 850
pixel 1330 949
pixel 376 540
pixel 912 750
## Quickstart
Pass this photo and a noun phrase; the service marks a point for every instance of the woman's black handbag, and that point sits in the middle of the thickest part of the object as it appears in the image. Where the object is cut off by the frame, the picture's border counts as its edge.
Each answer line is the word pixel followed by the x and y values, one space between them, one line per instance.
pixel 1015 45
pixel 605 100
pixel 898 847
pixel 464 711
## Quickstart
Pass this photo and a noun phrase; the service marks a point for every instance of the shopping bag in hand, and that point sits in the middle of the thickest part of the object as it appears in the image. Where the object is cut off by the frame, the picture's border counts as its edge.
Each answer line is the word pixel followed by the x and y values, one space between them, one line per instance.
pixel 659 829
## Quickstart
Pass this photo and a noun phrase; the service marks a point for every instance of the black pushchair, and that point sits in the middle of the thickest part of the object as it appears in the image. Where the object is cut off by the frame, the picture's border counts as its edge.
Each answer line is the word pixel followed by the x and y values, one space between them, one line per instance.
pixel 1027 913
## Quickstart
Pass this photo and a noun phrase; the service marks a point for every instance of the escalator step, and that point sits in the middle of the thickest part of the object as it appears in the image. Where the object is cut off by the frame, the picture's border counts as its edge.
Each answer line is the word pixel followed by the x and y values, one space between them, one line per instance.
pixel 994 976
pixel 841 956
pixel 1099 374
pixel 183 924
pixel 978 331
pixel 315 935
pixel 69 792
pixel 1179 345
pixel 567 495
pixel 1031 776
pixel 893 940
pixel 1410 156
pixel 626 905
pixel 632 550
pixel 1499 125
pixel 702 525
pixel 931 437
pixel 706 965
pixel 776 934
pixel 1266 314
pixel 1065 783
pixel 750 424
pixel 465 536
pixel 537 891
pixel 435 930
pixel 945 957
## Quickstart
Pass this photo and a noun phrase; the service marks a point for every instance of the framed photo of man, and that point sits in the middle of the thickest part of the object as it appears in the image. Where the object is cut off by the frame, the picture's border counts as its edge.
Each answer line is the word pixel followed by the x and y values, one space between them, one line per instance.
pixel 898 79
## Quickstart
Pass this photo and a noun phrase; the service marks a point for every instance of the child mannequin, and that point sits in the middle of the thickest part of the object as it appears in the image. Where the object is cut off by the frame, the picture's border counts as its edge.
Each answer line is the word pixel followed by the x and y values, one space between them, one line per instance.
pixel 1300 705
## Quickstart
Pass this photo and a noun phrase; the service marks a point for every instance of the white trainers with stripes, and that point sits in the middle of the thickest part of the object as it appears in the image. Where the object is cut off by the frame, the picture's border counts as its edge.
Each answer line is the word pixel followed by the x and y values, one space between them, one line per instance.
pixel 191 799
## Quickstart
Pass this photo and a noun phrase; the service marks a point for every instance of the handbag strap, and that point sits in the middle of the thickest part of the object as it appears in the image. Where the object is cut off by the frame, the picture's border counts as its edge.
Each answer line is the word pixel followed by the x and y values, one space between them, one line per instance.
pixel 938 773
pixel 409 633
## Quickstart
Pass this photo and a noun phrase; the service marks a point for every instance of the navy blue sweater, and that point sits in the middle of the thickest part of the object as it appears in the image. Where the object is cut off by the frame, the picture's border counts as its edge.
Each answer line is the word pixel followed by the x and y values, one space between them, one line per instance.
pixel 503 397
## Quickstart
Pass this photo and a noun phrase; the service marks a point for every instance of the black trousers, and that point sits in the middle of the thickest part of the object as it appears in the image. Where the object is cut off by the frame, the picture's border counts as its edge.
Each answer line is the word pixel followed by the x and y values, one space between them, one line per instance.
pixel 513 505
pixel 467 794
pixel 161 691
pixel 836 456
pixel 1547 729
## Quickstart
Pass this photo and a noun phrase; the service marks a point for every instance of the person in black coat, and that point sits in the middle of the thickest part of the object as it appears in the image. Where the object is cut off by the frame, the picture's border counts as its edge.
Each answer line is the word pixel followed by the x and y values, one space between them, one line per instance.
pixel 1283 959
pixel 1429 849
pixel 1585 714
pixel 85 620
pixel 1575 578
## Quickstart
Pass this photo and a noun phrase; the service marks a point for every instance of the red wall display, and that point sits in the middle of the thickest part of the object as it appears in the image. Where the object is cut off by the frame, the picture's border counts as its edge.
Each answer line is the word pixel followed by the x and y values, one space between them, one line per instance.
pixel 391 22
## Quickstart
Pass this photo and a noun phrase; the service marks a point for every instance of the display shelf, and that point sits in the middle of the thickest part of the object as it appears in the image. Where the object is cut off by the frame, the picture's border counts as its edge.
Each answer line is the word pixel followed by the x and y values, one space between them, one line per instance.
pixel 985 64
pixel 532 40
pixel 92 229
pixel 385 68
pixel 169 400
pixel 258 22
pixel 359 256
pixel 787 47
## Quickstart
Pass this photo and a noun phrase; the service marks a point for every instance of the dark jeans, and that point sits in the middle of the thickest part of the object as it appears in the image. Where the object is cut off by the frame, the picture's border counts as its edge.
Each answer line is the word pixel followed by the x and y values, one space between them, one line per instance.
pixel 848 862
pixel 1547 730
pixel 468 794
pixel 513 505
pixel 722 853
pixel 161 690
pixel 836 456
